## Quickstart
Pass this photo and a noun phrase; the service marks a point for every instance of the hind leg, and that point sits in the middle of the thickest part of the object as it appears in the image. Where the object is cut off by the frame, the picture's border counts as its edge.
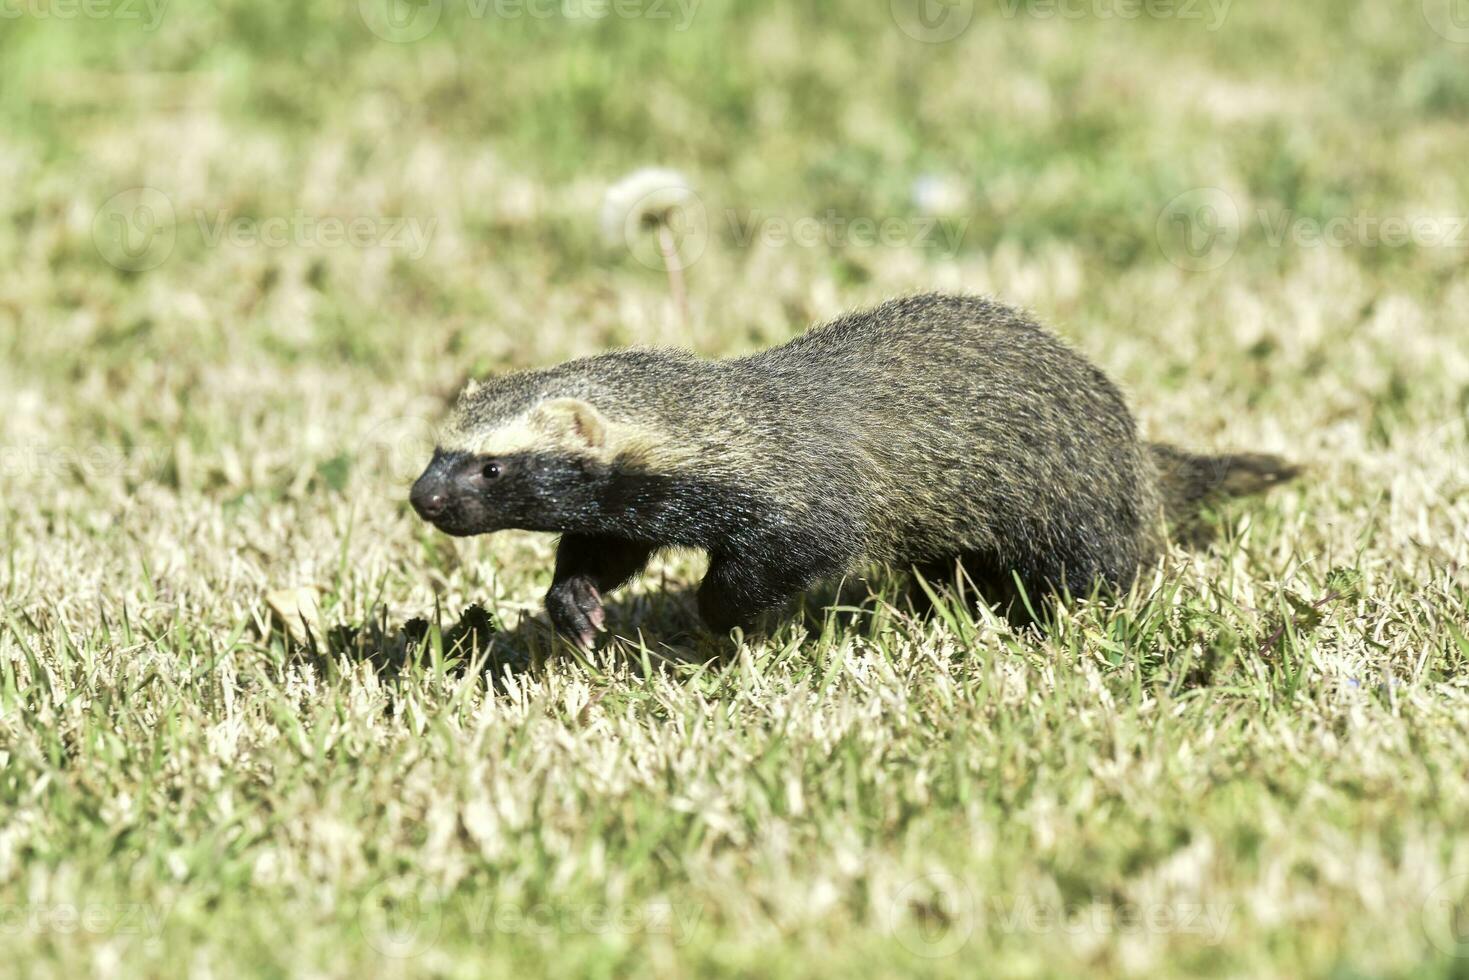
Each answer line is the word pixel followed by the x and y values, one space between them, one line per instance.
pixel 940 575
pixel 738 589
pixel 977 575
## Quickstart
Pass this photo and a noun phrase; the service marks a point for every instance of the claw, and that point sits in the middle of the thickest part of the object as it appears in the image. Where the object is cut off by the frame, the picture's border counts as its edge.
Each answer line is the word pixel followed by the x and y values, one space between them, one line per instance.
pixel 575 606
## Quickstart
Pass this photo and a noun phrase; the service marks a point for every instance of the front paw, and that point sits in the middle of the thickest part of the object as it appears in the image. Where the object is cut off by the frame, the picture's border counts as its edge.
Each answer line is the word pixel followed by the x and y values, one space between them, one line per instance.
pixel 575 607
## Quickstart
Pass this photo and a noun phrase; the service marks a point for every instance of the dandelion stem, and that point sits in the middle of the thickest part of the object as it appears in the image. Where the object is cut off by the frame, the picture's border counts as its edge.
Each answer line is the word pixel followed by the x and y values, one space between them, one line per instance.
pixel 672 263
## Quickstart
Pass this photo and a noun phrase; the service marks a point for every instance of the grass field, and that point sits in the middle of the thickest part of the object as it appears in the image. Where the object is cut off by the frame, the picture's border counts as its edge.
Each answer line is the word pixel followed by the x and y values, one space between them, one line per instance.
pixel 256 717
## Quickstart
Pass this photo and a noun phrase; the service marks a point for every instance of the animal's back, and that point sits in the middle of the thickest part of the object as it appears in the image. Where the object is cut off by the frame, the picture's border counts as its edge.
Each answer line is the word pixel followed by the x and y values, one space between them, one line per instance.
pixel 959 426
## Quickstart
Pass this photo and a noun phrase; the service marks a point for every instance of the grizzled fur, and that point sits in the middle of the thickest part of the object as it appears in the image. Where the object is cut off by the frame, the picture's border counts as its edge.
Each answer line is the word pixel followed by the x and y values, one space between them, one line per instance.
pixel 925 431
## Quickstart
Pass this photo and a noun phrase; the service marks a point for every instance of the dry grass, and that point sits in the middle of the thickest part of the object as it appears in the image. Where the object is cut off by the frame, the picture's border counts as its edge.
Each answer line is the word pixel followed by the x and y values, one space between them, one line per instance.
pixel 1255 766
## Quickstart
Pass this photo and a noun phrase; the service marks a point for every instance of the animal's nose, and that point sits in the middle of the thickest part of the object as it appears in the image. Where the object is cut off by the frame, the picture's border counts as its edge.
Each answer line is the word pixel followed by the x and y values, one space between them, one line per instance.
pixel 429 497
pixel 430 504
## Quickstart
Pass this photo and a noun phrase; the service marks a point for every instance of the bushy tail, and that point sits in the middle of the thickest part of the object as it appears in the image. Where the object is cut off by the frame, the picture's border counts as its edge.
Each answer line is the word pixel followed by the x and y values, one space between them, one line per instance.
pixel 1190 481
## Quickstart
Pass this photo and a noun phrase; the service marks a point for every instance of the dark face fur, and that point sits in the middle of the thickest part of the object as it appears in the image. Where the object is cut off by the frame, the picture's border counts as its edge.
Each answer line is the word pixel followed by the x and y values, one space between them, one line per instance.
pixel 508 460
pixel 465 494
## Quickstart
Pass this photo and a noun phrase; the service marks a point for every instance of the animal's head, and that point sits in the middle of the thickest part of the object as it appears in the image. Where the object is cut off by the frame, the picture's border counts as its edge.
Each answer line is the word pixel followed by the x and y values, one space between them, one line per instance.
pixel 521 451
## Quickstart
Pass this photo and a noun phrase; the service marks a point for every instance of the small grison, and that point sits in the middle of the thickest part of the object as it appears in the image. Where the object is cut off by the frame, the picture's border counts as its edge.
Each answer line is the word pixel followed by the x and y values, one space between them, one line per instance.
pixel 930 432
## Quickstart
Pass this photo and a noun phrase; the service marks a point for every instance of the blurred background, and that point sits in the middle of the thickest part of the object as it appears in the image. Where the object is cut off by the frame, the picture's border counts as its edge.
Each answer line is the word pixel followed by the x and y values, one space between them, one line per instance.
pixel 343 202
pixel 248 249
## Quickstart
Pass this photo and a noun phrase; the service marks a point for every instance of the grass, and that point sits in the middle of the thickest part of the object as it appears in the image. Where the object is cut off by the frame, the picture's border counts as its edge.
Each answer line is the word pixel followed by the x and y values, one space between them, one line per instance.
pixel 255 717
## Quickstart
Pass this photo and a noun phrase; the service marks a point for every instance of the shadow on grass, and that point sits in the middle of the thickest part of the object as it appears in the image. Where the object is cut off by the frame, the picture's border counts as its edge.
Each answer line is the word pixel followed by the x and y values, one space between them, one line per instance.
pixel 657 631
pixel 648 630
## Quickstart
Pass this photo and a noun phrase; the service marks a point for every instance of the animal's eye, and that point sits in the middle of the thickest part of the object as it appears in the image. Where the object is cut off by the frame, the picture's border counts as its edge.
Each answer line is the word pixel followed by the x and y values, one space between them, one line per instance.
pixel 491 470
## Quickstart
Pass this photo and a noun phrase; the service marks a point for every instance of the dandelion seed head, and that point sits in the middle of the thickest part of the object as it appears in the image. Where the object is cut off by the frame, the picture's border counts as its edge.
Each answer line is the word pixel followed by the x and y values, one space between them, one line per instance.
pixel 647 197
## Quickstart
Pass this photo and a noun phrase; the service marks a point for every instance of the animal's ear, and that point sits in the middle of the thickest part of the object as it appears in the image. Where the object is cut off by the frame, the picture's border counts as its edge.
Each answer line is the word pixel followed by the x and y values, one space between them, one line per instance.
pixel 574 421
pixel 464 393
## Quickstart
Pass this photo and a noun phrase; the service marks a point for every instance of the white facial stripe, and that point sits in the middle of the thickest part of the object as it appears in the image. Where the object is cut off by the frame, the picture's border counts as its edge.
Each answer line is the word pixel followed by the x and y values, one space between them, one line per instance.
pixel 518 436
pixel 514 437
pixel 529 433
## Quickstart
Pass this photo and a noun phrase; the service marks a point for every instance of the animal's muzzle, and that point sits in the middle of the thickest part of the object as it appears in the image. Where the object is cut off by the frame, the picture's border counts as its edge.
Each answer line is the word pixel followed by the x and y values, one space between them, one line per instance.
pixel 430 493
